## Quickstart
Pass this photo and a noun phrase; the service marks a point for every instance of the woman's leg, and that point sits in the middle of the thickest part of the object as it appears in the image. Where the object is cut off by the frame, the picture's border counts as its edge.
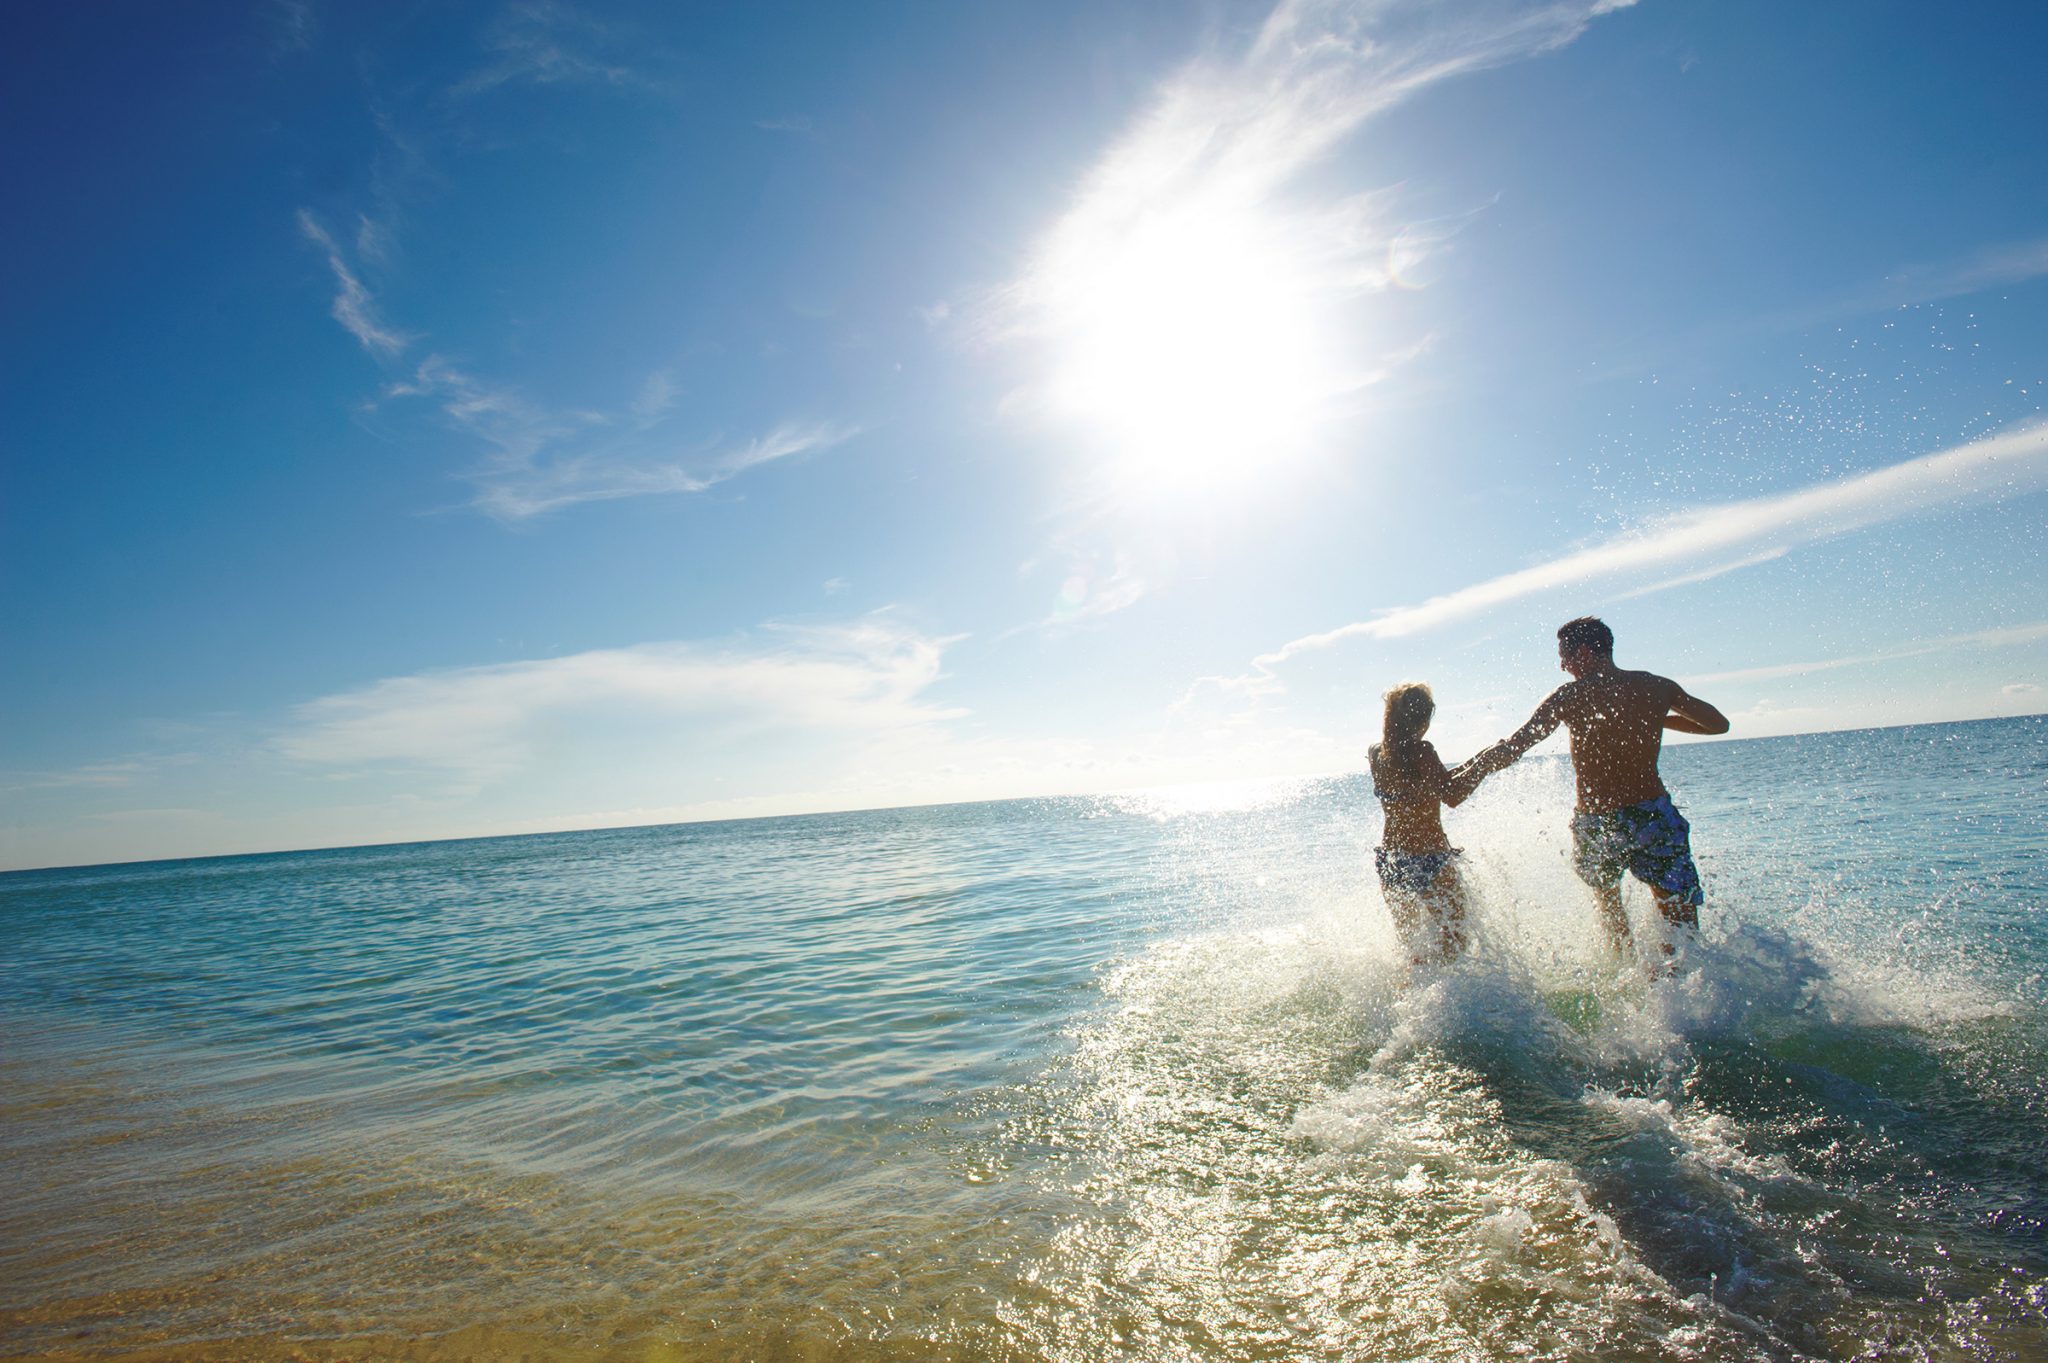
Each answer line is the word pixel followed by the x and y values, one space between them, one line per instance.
pixel 1448 905
pixel 1410 922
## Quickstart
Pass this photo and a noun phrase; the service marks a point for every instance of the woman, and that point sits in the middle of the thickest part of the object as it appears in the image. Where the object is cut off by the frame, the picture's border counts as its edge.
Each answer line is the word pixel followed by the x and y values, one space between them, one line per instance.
pixel 1417 864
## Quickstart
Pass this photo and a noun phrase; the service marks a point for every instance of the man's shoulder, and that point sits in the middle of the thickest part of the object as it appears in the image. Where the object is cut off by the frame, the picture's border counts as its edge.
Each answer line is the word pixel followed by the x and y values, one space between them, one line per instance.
pixel 1651 683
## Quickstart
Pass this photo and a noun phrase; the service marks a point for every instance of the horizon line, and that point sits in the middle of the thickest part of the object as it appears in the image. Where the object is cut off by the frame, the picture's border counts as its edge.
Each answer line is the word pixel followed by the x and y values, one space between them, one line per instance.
pixel 1690 741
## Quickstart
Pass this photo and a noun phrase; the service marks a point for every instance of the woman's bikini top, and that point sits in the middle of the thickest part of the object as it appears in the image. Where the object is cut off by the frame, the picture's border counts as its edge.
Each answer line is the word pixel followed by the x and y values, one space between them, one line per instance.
pixel 1398 789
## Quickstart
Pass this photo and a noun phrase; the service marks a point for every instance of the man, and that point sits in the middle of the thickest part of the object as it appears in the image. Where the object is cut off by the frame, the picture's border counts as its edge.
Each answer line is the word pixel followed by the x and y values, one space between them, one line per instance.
pixel 1625 819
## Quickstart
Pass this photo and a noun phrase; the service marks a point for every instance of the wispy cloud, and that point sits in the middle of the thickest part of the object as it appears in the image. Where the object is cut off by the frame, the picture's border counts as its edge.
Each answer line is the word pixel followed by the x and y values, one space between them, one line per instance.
pixel 2011 464
pixel 1208 186
pixel 1199 295
pixel 1241 130
pixel 799 124
pixel 1998 265
pixel 1707 574
pixel 540 458
pixel 541 42
pixel 353 306
pixel 657 395
pixel 2012 636
pixel 373 239
pixel 292 24
pixel 1092 584
pixel 1988 268
pixel 534 455
pixel 531 478
pixel 484 723
pixel 89 776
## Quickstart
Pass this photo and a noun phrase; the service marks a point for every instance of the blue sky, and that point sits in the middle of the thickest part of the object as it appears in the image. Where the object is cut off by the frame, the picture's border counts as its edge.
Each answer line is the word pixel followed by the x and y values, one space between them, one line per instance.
pixel 427 421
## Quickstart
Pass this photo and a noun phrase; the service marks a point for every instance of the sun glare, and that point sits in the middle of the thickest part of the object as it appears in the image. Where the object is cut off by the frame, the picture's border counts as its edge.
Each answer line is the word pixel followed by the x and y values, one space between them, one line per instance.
pixel 1188 347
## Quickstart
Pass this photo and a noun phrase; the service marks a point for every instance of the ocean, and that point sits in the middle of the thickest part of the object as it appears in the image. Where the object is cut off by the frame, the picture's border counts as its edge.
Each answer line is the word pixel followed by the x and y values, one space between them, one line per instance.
pixel 1119 1077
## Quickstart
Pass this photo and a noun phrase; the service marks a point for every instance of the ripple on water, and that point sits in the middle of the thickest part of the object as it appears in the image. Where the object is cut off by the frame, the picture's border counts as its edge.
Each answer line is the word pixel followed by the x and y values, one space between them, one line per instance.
pixel 1049 1079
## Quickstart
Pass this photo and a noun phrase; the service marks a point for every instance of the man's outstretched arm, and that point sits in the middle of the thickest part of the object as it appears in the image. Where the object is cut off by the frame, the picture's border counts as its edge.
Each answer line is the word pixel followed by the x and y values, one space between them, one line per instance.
pixel 1691 715
pixel 1467 775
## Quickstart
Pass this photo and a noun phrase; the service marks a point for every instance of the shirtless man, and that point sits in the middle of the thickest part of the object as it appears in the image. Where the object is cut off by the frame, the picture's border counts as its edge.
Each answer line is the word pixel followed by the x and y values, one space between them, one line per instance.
pixel 1625 820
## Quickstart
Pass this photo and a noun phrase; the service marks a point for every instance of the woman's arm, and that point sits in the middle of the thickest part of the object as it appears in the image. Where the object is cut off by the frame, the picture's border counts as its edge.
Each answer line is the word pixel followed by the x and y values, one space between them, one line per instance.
pixel 1431 778
pixel 1460 781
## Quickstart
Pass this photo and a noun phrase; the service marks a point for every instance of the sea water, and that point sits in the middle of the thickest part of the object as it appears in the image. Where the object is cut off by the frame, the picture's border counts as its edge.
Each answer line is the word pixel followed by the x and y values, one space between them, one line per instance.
pixel 1054 1079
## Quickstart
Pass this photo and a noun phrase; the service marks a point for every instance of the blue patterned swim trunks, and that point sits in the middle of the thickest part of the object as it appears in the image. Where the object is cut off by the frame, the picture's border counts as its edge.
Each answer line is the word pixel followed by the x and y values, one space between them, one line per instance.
pixel 1414 872
pixel 1651 841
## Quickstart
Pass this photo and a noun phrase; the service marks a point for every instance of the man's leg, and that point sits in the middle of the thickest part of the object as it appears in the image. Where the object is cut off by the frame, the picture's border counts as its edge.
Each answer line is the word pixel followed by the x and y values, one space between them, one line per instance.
pixel 1614 918
pixel 1665 864
pixel 1679 910
pixel 1598 856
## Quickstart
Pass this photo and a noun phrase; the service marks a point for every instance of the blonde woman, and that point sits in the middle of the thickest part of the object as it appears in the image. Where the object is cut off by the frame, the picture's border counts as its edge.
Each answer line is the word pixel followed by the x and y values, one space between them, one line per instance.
pixel 1416 862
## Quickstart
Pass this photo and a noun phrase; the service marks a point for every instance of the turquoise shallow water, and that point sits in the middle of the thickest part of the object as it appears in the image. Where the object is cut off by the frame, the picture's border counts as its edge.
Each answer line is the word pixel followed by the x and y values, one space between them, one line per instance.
pixel 1083 1078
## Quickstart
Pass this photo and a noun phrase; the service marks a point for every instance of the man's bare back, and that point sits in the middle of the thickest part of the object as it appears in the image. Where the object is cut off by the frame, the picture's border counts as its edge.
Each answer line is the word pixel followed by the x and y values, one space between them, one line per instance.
pixel 1625 819
pixel 1616 720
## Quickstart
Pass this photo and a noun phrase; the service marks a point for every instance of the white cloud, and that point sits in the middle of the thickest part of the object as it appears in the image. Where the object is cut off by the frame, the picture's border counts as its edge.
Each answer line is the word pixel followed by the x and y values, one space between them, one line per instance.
pixel 516 430
pixel 780 443
pixel 373 239
pixel 541 42
pixel 2011 464
pixel 1092 585
pixel 657 395
pixel 1318 69
pixel 1240 132
pixel 541 459
pixel 781 720
pixel 91 776
pixel 2009 637
pixel 2007 263
pixel 1205 188
pixel 2020 689
pixel 485 723
pixel 353 306
pixel 1989 267
pixel 527 481
pixel 1705 574
pixel 292 24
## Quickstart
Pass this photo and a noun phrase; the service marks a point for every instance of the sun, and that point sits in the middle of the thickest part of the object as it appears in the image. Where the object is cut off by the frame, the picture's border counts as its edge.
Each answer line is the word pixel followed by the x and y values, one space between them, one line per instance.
pixel 1187 347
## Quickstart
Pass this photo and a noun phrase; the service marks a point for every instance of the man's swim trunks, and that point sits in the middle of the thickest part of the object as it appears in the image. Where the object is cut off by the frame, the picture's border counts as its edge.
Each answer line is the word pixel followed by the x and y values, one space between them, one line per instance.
pixel 1651 841
pixel 1414 872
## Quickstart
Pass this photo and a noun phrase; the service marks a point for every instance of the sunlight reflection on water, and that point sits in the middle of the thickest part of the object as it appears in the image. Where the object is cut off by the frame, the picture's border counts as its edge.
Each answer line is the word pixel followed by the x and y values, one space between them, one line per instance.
pixel 1049 1079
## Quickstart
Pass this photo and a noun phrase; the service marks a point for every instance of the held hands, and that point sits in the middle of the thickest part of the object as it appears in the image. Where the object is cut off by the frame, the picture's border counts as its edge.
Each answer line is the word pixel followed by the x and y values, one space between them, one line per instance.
pixel 1497 757
pixel 1466 776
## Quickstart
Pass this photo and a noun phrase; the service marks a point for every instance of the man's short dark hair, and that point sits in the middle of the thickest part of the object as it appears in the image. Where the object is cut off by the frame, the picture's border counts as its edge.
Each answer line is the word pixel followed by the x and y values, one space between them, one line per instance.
pixel 1588 631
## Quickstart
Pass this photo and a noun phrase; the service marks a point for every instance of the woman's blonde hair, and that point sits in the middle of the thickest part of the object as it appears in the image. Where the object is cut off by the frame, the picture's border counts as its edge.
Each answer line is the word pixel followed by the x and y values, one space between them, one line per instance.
pixel 1409 707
